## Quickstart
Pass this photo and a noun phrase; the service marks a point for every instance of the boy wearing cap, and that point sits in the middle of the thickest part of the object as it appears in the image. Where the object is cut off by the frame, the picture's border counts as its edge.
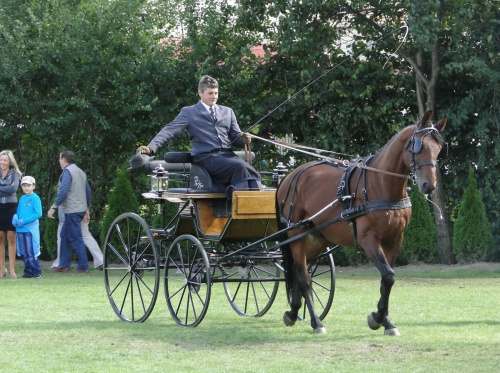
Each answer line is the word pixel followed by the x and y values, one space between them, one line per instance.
pixel 29 210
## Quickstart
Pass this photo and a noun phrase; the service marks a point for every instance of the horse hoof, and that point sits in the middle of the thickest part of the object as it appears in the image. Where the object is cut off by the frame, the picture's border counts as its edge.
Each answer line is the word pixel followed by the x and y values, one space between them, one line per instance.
pixel 321 330
pixel 394 332
pixel 287 320
pixel 372 323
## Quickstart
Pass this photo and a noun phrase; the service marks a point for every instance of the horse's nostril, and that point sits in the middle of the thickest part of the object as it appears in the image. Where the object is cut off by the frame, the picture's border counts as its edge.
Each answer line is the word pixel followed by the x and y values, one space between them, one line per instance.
pixel 426 187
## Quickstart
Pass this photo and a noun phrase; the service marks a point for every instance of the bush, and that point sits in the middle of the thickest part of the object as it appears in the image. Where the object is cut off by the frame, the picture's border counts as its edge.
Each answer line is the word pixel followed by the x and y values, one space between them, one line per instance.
pixel 349 256
pixel 48 228
pixel 420 237
pixel 472 238
pixel 121 199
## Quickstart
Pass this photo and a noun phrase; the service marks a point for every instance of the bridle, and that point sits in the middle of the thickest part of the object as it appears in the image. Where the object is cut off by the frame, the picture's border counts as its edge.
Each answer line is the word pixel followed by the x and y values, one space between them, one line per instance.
pixel 415 143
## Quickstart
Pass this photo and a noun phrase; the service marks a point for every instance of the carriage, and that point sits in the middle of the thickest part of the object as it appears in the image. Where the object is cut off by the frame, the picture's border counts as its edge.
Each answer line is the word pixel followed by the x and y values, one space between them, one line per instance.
pixel 210 239
pixel 253 240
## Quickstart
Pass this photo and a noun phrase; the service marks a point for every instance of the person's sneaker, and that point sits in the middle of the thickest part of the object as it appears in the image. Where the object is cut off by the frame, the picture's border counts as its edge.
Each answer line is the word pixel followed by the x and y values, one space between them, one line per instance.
pixel 99 268
pixel 37 277
pixel 26 276
pixel 81 271
pixel 62 269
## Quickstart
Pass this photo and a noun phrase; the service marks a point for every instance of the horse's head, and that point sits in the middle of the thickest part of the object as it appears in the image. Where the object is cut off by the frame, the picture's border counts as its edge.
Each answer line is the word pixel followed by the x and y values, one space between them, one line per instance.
pixel 422 151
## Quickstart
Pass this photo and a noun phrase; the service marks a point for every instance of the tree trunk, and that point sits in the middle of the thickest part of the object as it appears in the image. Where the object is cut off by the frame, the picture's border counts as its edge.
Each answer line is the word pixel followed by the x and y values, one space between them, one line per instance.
pixel 445 252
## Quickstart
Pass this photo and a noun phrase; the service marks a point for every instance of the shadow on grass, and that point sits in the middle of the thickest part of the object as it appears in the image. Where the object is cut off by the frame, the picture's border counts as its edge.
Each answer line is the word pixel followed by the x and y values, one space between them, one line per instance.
pixel 457 323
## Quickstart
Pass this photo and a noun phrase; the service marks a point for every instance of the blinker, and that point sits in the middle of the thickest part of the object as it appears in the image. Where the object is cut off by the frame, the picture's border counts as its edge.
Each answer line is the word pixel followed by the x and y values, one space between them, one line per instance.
pixel 417 146
pixel 444 151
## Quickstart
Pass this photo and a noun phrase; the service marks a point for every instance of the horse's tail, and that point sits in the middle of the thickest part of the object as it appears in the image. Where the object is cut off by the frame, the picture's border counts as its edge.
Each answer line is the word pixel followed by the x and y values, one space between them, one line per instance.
pixel 286 249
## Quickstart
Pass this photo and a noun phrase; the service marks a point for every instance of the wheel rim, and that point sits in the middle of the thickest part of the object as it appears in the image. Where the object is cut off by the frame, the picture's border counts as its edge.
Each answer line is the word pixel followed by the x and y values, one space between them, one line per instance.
pixel 323 287
pixel 252 286
pixel 131 268
pixel 187 281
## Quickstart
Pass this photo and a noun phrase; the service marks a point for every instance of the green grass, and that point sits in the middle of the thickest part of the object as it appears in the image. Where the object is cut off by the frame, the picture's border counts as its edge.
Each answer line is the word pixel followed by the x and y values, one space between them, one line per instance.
pixel 449 321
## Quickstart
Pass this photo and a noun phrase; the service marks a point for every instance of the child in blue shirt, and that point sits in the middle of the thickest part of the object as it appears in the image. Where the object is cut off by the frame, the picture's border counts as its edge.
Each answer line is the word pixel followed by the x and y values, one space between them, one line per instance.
pixel 29 210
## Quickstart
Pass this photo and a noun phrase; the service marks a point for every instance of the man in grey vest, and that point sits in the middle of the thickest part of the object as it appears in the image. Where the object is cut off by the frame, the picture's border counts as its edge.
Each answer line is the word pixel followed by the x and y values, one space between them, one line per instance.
pixel 73 197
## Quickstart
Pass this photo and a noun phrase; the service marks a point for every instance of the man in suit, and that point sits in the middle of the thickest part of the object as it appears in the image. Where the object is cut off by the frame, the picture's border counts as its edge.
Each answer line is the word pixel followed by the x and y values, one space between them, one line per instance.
pixel 212 129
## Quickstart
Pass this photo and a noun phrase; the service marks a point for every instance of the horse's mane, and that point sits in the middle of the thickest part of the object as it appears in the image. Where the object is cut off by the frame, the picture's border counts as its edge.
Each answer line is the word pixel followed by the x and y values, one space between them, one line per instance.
pixel 397 134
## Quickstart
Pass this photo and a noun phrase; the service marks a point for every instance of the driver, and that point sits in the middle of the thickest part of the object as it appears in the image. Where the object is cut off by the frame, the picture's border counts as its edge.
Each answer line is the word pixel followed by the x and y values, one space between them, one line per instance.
pixel 212 129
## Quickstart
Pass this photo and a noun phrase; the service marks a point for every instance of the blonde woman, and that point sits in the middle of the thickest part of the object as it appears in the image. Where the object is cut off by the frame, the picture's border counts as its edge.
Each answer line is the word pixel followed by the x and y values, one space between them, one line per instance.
pixel 9 183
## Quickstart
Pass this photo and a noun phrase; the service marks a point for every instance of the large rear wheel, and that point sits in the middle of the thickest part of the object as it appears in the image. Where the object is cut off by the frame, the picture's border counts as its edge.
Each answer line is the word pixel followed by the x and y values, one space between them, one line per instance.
pixel 131 268
pixel 187 280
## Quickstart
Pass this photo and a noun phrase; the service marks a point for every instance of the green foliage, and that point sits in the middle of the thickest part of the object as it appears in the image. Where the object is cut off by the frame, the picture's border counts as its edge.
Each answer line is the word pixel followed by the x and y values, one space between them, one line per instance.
pixel 471 235
pixel 121 199
pixel 48 230
pixel 349 256
pixel 420 241
pixel 102 77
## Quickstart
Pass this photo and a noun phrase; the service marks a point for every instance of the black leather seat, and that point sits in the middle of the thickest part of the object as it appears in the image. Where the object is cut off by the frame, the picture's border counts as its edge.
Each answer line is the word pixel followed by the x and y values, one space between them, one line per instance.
pixel 199 180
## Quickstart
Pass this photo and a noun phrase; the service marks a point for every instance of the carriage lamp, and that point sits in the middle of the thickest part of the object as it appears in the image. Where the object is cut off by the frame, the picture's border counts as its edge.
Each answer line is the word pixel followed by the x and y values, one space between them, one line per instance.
pixel 159 180
pixel 280 172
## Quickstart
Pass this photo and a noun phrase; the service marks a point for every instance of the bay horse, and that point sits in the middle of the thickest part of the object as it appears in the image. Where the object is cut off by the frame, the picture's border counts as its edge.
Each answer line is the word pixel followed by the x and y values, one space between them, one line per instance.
pixel 370 208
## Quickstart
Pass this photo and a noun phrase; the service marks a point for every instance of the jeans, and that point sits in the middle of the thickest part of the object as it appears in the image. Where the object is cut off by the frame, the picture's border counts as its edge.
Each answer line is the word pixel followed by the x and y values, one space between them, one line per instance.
pixel 31 264
pixel 71 238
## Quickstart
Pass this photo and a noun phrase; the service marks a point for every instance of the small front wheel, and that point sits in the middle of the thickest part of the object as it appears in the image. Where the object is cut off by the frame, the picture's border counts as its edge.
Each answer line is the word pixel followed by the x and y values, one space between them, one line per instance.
pixel 187 280
pixel 252 287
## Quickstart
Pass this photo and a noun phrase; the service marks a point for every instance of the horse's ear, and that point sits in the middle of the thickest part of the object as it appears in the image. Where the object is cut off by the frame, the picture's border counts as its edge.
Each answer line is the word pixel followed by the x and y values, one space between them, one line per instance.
pixel 426 119
pixel 441 124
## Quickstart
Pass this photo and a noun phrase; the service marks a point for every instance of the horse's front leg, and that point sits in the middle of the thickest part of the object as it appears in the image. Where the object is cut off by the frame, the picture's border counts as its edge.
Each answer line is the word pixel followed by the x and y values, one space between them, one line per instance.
pixel 379 318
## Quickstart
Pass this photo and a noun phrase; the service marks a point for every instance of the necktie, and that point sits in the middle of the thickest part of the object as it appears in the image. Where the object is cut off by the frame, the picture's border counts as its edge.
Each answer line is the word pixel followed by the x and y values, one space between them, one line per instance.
pixel 212 113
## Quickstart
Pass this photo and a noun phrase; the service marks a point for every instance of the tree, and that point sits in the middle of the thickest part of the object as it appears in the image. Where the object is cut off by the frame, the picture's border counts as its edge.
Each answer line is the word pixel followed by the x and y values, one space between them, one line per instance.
pixel 121 199
pixel 420 239
pixel 472 237
pixel 102 77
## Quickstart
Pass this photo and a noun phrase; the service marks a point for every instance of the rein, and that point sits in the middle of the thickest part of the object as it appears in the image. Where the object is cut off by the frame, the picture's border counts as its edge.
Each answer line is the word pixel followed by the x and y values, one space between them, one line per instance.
pixel 344 162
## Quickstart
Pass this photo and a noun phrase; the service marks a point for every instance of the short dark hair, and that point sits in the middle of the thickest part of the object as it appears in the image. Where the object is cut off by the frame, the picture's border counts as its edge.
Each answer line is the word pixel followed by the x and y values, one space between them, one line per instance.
pixel 69 156
pixel 207 81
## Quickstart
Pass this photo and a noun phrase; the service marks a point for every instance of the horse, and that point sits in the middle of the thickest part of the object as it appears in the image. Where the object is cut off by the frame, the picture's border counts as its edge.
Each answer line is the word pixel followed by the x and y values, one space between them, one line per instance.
pixel 371 210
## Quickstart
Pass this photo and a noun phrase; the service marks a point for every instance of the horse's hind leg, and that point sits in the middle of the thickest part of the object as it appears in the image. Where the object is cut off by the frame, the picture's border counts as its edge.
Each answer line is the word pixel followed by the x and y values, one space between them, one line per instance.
pixel 305 284
pixel 379 318
pixel 303 287
pixel 290 317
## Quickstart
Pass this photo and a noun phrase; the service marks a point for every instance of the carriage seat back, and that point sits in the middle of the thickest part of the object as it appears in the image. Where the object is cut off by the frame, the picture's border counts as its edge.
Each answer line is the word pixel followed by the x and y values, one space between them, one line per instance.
pixel 199 180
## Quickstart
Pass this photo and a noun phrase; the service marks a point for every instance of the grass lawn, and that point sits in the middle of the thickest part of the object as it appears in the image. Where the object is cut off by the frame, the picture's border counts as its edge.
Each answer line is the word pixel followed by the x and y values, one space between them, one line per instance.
pixel 448 317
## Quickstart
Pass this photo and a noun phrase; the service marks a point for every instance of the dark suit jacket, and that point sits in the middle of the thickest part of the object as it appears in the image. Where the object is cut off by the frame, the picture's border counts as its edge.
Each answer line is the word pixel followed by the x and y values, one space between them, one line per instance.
pixel 204 134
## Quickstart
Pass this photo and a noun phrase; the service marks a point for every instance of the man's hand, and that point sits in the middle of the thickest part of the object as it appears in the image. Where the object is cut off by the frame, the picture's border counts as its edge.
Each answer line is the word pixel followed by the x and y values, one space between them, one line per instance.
pixel 144 150
pixel 50 213
pixel 245 137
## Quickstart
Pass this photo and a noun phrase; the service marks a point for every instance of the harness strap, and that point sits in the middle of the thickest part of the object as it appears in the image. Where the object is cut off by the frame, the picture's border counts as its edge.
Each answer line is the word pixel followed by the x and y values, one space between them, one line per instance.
pixel 381 204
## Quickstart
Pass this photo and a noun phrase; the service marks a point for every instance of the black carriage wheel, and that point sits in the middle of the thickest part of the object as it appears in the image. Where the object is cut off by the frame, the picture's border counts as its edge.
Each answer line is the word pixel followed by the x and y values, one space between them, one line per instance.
pixel 187 280
pixel 131 268
pixel 252 287
pixel 323 286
